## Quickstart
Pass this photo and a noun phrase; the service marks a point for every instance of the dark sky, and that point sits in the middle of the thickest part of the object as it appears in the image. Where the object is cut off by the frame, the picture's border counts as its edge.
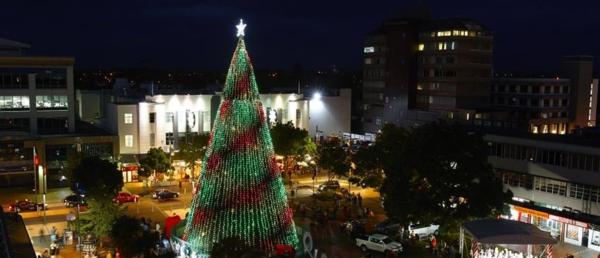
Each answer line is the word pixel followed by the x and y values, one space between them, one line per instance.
pixel 530 35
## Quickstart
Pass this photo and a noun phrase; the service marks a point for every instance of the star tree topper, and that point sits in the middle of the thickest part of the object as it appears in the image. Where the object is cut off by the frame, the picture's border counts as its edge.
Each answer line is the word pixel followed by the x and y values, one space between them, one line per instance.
pixel 240 28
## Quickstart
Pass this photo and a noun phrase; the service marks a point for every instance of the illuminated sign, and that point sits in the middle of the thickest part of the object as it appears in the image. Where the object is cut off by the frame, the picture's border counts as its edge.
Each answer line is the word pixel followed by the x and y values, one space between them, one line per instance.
pixel 369 50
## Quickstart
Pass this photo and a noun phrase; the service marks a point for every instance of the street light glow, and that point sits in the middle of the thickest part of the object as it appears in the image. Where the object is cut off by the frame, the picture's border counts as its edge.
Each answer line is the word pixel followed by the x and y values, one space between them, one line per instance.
pixel 317 96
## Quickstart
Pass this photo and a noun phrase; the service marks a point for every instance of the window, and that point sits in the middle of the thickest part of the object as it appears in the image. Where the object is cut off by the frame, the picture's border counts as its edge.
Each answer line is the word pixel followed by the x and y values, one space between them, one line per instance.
pixel 442 46
pixel 452 45
pixel 128 118
pixel 51 102
pixel 551 186
pixel 14 103
pixel 14 81
pixel 152 117
pixel 368 60
pixel 14 124
pixel 369 50
pixel 169 117
pixel 51 79
pixel 152 139
pixel 129 140
pixel 169 139
pixel 54 125
pixel 421 47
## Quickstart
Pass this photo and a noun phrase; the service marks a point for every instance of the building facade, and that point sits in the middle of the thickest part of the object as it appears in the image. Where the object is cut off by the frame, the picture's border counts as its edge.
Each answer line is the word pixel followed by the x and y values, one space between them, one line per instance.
pixel 421 67
pixel 37 109
pixel 555 182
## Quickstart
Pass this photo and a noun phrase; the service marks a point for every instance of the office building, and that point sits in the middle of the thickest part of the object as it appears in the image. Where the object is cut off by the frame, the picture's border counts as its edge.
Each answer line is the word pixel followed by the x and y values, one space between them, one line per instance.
pixel 37 108
pixel 423 69
pixel 555 181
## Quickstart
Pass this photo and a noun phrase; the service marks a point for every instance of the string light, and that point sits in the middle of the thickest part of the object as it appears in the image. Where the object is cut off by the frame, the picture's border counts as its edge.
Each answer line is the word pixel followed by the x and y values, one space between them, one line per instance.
pixel 241 193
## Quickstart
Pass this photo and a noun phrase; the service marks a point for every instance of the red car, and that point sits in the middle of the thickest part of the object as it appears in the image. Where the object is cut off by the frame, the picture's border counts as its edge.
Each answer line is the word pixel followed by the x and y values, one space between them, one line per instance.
pixel 124 197
pixel 26 205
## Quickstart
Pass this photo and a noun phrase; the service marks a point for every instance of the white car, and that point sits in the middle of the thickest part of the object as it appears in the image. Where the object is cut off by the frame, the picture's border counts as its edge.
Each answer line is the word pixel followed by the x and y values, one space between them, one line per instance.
pixel 423 230
pixel 378 242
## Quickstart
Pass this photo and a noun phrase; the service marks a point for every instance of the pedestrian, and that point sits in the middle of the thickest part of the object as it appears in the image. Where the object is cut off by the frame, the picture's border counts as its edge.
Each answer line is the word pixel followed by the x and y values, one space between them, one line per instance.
pixel 433 245
pixel 157 227
pixel 46 254
pixel 359 198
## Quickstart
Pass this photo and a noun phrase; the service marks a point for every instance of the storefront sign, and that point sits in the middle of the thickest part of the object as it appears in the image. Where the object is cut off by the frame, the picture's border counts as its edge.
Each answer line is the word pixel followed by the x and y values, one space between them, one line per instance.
pixel 532 212
pixel 569 221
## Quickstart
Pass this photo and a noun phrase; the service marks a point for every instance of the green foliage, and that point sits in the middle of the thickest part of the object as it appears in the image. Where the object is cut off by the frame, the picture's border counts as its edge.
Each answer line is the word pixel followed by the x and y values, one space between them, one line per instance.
pixel 234 247
pixel 73 161
pixel 129 236
pixel 156 160
pixel 438 173
pixel 333 157
pixel 100 218
pixel 289 140
pixel 100 179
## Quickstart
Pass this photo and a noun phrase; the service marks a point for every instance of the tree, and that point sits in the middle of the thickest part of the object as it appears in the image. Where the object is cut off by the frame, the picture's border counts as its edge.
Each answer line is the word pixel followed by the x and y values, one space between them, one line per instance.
pixel 129 236
pixel 291 142
pixel 156 160
pixel 99 179
pixel 441 175
pixel 234 247
pixel 73 160
pixel 193 150
pixel 241 189
pixel 333 157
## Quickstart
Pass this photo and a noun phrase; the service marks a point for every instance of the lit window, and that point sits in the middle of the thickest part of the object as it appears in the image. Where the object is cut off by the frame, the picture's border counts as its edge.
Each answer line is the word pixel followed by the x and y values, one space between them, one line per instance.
pixel 368 61
pixel 452 45
pixel 369 50
pixel 129 140
pixel 14 103
pixel 421 47
pixel 442 46
pixel 51 102
pixel 128 118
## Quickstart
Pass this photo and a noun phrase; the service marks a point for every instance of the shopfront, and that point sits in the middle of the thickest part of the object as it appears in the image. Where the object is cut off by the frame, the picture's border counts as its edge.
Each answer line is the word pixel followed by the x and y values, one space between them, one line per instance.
pixel 594 238
pixel 575 232
pixel 130 172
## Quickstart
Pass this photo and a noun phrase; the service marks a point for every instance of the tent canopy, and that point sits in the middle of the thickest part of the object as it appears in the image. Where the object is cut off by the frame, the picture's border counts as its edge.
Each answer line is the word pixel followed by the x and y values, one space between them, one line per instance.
pixel 501 231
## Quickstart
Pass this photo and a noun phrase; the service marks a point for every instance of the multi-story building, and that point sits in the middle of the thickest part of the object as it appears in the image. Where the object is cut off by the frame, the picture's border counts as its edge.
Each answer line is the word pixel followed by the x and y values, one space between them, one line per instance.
pixel 37 108
pixel 550 105
pixel 164 120
pixel 555 181
pixel 455 57
pixel 421 67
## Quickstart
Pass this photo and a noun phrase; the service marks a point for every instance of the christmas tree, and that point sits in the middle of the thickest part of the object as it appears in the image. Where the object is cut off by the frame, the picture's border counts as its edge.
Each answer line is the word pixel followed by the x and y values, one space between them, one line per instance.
pixel 241 193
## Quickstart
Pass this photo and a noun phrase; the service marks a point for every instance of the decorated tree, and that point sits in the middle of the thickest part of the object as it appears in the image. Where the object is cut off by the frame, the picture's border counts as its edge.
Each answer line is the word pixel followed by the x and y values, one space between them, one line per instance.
pixel 241 191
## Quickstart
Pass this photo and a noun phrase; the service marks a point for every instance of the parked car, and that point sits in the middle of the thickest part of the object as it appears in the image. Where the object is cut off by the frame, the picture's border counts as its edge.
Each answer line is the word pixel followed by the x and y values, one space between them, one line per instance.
pixel 353 228
pixel 329 185
pixel 388 227
pixel 423 230
pixel 26 205
pixel 165 194
pixel 378 242
pixel 73 200
pixel 124 197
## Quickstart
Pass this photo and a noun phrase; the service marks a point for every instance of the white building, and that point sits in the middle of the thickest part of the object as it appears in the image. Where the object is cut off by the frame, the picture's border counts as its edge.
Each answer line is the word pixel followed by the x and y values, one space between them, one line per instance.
pixel 161 120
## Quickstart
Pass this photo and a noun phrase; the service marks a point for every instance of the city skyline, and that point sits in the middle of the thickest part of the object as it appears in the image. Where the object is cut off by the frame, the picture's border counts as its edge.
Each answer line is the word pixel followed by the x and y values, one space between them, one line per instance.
pixel 133 34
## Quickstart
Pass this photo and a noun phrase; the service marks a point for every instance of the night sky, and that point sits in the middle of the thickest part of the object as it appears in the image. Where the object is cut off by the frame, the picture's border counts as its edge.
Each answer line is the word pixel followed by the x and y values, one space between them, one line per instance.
pixel 530 35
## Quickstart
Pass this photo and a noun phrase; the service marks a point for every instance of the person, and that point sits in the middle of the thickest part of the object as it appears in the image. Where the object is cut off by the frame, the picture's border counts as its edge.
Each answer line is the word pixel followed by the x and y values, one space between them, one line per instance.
pixel 433 244
pixel 359 199
pixel 53 234
pixel 46 254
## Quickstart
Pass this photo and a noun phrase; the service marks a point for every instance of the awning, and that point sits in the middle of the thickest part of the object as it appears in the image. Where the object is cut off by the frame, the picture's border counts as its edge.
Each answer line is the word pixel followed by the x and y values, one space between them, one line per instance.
pixel 501 231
